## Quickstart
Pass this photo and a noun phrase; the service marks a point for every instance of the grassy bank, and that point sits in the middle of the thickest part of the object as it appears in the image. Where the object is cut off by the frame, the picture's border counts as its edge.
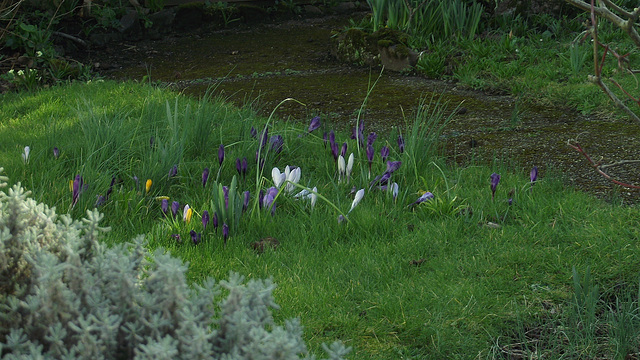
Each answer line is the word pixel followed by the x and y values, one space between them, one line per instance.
pixel 465 274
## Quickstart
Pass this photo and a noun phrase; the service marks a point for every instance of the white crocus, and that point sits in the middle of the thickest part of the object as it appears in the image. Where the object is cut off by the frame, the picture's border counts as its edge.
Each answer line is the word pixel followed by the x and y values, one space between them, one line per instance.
pixel 356 200
pixel 25 154
pixel 342 167
pixel 278 178
pixel 292 176
pixel 314 196
pixel 185 212
pixel 349 166
pixel 394 190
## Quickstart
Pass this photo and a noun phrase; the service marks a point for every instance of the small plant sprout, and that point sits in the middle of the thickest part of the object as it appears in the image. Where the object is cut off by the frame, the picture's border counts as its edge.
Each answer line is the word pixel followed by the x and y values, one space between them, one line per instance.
pixel 147 186
pixel 357 199
pixel 495 179
pixel 25 154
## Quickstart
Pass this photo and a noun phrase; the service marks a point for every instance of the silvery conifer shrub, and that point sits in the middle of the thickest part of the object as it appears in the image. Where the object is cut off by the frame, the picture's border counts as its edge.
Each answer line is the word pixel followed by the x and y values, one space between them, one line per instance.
pixel 65 295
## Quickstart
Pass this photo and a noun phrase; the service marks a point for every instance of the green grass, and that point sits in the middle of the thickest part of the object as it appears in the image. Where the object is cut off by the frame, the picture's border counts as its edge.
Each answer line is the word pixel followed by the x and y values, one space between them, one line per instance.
pixel 394 281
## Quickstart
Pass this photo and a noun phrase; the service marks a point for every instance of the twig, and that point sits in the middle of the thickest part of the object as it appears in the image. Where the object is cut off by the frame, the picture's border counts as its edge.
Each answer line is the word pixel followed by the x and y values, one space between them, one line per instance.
pixel 599 167
pixel 71 37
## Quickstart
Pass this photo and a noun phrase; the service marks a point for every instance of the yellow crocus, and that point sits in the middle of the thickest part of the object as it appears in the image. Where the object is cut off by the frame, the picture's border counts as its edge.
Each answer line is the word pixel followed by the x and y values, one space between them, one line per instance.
pixel 147 186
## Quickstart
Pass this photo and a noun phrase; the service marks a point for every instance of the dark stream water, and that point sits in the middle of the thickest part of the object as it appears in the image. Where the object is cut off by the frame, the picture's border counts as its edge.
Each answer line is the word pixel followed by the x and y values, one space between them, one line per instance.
pixel 268 63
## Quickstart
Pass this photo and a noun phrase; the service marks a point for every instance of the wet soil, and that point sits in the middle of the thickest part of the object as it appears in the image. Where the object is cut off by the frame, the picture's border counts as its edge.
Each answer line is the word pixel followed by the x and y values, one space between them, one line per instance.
pixel 267 63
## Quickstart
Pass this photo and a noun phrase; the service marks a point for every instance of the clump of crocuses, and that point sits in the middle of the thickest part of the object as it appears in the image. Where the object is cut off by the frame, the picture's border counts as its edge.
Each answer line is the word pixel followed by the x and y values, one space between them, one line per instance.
pixel 495 179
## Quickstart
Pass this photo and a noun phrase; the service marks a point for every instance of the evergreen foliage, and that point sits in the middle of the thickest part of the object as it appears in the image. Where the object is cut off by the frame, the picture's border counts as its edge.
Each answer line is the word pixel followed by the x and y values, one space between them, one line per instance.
pixel 65 295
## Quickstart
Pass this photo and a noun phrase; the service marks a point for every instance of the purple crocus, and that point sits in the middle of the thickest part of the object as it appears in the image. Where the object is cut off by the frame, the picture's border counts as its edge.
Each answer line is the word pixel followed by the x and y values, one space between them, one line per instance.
pixel 100 200
pixel 225 233
pixel 195 237
pixel 370 154
pixel 173 171
pixel 384 153
pixel 239 166
pixel 332 137
pixel 269 197
pixel 495 179
pixel 393 166
pixel 221 154
pixel 314 125
pixel 371 138
pixel 175 206
pixel 401 143
pixel 76 189
pixel 264 137
pixel 534 175
pixel 358 132
pixel 205 176
pixel 424 197
pixel 260 198
pixel 245 202
pixel 277 143
pixel 343 150
pixel 56 152
pixel 225 191
pixel 334 150
pixel 254 133
pixel 164 205
pixel 205 219
pixel 244 166
pixel 176 237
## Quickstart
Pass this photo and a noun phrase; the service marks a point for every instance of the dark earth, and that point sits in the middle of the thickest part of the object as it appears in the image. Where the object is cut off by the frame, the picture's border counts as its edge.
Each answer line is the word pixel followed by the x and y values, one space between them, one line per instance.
pixel 265 63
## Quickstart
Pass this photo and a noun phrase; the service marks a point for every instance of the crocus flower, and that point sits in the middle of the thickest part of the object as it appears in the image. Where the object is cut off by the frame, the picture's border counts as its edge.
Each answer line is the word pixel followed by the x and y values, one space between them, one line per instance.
pixel 384 153
pixel 264 137
pixel 394 190
pixel 244 166
pixel 225 191
pixel 277 143
pixel 342 167
pixel 534 175
pixel 147 185
pixel 175 206
pixel 164 205
pixel 313 196
pixel 314 125
pixel 334 150
pixel 269 197
pixel 25 154
pixel 293 177
pixel 239 166
pixel 221 154
pixel 349 166
pixel 343 151
pixel 371 138
pixel 186 213
pixel 424 197
pixel 278 178
pixel 195 237
pixel 357 199
pixel 341 218
pixel 56 152
pixel 260 198
pixel 245 202
pixel 205 176
pixel 225 233
pixel 370 153
pixel 205 219
pixel 176 237
pixel 100 200
pixel 358 132
pixel 173 171
pixel 76 189
pixel 215 221
pixel 495 179
pixel 254 132
pixel 332 137
pixel 393 166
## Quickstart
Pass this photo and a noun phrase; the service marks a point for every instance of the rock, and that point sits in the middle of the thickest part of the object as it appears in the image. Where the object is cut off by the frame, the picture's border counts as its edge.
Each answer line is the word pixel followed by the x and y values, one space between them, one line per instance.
pixel 398 57
pixel 129 23
pixel 345 7
pixel 311 10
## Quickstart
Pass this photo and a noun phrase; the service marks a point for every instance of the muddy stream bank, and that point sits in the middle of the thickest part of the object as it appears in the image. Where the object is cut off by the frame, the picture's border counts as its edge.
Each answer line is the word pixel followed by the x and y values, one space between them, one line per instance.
pixel 267 63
